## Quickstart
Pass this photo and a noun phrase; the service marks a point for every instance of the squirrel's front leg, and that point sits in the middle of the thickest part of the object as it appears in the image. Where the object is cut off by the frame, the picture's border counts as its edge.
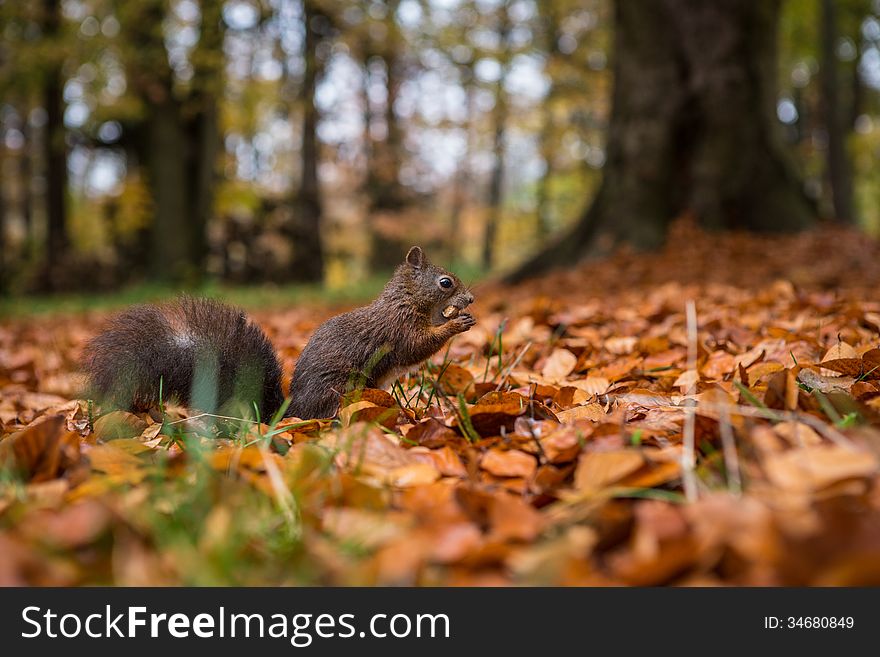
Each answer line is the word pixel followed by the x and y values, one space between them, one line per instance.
pixel 441 334
pixel 428 341
pixel 458 324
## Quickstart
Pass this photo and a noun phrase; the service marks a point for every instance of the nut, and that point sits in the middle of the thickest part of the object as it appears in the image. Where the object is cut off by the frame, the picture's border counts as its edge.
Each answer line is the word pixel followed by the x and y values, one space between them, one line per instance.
pixel 450 311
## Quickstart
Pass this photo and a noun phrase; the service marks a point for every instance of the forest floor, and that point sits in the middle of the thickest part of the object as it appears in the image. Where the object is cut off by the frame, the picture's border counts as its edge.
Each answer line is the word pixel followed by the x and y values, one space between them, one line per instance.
pixel 709 414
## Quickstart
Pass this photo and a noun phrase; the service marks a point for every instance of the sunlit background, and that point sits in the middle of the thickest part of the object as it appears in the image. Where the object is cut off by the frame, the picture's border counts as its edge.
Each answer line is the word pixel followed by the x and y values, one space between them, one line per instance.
pixel 164 117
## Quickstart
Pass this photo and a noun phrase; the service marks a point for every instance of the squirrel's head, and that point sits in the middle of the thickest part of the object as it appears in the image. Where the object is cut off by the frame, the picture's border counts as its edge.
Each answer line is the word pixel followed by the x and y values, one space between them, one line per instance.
pixel 433 288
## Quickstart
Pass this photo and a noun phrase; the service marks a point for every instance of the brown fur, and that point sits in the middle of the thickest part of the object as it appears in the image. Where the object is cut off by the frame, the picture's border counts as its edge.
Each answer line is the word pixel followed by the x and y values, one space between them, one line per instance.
pixel 400 329
pixel 205 346
pixel 189 345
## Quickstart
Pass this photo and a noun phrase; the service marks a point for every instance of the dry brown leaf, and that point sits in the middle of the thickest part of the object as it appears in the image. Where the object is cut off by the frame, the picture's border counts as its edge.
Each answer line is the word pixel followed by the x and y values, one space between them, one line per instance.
pixel 559 365
pixel 596 470
pixel 119 424
pixel 620 345
pixel 564 444
pixel 813 468
pixel 43 451
pixel 841 350
pixel 445 460
pixel 454 541
pixel 593 411
pixel 510 518
pixel 457 380
pixel 508 463
pixel 592 385
pixel 368 529
pixel 414 474
pixel 367 411
pixel 116 462
pixel 798 434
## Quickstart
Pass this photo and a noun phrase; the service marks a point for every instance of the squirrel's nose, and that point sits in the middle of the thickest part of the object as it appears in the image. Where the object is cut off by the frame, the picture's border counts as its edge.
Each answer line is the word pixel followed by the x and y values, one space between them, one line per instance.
pixel 470 298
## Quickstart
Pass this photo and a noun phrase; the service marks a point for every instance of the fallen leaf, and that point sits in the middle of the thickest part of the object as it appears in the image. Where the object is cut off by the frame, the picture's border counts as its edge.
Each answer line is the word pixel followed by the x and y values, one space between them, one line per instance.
pixel 43 451
pixel 816 467
pixel 456 380
pixel 119 424
pixel 593 411
pixel 510 518
pixel 596 470
pixel 414 474
pixel 117 462
pixel 559 365
pixel 508 463
pixel 592 385
pixel 797 434
pixel 564 444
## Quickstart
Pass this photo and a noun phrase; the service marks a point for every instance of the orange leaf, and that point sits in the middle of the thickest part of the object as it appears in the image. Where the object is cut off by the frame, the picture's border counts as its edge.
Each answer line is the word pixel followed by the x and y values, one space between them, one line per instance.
pixel 43 451
pixel 559 365
pixel 814 468
pixel 596 470
pixel 508 463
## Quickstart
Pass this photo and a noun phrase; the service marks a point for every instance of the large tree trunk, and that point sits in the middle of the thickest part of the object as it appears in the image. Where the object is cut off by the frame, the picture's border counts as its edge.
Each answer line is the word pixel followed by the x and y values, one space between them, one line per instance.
pixel 25 175
pixel 547 141
pixel 385 195
pixel 5 256
pixel 55 155
pixel 463 182
pixel 499 119
pixel 305 228
pixel 204 130
pixel 693 129
pixel 181 137
pixel 167 157
pixel 837 163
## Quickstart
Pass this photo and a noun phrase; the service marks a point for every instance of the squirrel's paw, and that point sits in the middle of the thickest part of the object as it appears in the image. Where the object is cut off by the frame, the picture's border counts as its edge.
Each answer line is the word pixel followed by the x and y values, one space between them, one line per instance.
pixel 462 323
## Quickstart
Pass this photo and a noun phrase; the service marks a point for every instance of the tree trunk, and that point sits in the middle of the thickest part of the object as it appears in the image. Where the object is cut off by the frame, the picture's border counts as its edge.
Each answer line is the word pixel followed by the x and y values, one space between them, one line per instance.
pixel 204 130
pixel 496 183
pixel 167 157
pixel 499 115
pixel 55 155
pixel 25 175
pixel 5 269
pixel 180 139
pixel 463 181
pixel 305 229
pixel 385 194
pixel 546 141
pixel 693 129
pixel 836 162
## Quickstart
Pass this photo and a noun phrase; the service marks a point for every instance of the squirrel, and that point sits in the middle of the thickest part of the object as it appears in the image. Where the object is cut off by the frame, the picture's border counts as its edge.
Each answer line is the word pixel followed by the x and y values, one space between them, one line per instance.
pixel 211 356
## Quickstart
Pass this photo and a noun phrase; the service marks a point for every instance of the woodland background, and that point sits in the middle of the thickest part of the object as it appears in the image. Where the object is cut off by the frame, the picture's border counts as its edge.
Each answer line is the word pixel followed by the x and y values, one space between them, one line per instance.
pixel 668 208
pixel 253 141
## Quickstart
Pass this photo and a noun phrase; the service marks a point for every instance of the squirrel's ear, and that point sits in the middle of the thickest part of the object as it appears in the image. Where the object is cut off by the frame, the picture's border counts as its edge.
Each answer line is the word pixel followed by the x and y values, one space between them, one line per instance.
pixel 415 257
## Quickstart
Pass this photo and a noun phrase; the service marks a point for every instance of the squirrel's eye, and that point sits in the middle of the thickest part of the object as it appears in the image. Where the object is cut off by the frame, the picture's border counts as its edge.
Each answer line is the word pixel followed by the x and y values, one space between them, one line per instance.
pixel 445 282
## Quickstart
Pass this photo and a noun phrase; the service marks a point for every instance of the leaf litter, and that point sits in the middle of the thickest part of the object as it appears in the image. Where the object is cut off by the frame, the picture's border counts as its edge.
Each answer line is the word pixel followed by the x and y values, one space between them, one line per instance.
pixel 551 445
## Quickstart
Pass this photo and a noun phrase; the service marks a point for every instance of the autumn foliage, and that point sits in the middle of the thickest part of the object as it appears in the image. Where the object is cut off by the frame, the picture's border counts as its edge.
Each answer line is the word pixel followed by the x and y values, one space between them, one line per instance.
pixel 709 414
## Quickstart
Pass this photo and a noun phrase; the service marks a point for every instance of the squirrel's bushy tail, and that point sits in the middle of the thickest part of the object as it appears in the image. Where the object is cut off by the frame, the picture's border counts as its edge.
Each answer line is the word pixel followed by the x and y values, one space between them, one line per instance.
pixel 199 352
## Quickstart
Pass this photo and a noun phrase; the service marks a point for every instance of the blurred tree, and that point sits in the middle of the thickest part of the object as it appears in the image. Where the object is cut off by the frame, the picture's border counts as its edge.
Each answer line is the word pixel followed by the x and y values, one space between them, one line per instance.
pixel 55 145
pixel 693 129
pixel 35 55
pixel 550 20
pixel 462 184
pixel 208 62
pixel 383 52
pixel 181 137
pixel 833 113
pixel 4 273
pixel 499 130
pixel 25 179
pixel 304 230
